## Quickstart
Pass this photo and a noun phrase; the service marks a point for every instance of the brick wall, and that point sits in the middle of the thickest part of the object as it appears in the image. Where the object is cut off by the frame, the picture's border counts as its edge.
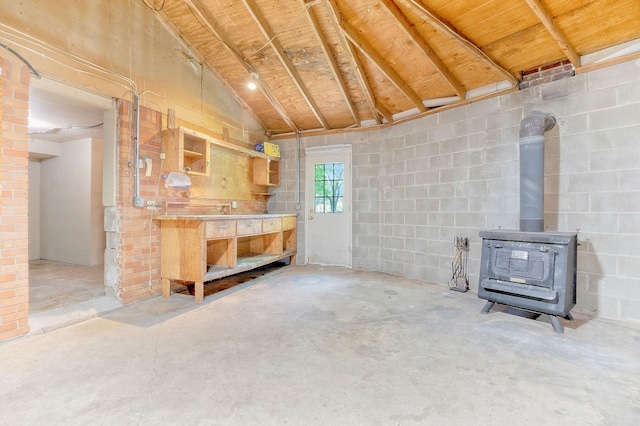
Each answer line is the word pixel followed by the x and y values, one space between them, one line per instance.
pixel 418 184
pixel 547 74
pixel 138 247
pixel 133 237
pixel 14 165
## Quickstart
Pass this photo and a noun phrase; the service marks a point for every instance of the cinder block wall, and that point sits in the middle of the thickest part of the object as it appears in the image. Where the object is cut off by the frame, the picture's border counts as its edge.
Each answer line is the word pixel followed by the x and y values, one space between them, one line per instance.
pixel 14 166
pixel 419 184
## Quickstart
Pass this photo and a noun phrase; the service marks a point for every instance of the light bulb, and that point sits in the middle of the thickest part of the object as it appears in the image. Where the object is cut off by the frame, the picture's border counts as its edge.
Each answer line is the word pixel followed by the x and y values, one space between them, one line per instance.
pixel 252 85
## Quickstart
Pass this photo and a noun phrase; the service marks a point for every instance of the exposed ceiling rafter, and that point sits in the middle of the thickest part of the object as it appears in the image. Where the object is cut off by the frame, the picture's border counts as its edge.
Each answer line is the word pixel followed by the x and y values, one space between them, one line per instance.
pixel 437 22
pixel 372 54
pixel 347 47
pixel 315 25
pixel 216 29
pixel 196 52
pixel 547 20
pixel 268 33
pixel 329 62
pixel 411 32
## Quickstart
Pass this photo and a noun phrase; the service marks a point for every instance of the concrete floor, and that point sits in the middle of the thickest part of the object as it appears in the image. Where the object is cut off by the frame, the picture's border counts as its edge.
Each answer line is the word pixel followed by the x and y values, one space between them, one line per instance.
pixel 315 345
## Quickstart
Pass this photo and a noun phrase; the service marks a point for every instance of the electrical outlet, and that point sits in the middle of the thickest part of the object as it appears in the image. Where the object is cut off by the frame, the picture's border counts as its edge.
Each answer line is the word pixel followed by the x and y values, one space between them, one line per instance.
pixel 163 156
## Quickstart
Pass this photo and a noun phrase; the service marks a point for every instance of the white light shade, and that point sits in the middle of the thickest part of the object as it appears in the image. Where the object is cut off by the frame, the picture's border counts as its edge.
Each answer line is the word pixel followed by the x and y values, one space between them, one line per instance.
pixel 252 85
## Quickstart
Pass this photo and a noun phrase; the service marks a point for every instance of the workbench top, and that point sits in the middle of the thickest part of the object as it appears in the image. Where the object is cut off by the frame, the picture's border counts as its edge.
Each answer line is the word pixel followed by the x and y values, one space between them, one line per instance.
pixel 221 216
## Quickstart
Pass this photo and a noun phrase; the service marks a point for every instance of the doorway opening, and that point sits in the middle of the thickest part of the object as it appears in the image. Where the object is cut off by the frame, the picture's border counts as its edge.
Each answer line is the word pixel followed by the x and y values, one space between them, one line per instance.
pixel 66 214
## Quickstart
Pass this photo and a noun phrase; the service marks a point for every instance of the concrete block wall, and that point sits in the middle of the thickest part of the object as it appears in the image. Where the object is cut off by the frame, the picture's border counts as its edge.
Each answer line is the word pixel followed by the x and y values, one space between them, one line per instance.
pixel 14 167
pixel 456 172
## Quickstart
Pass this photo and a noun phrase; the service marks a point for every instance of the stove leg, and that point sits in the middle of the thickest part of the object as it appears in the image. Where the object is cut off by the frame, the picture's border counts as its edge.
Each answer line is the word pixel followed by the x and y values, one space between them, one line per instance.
pixel 568 317
pixel 487 307
pixel 555 323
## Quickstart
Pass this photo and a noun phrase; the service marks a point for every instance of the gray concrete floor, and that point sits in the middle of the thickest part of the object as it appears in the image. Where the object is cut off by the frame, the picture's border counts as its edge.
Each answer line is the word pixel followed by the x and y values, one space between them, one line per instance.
pixel 313 345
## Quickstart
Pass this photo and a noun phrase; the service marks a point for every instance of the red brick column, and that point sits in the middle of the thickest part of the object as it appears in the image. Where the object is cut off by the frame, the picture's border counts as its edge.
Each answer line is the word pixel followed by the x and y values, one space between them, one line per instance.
pixel 138 235
pixel 14 167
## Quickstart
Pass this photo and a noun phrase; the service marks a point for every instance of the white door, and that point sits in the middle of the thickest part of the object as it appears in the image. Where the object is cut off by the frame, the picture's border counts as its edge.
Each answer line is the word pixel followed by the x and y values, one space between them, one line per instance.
pixel 328 205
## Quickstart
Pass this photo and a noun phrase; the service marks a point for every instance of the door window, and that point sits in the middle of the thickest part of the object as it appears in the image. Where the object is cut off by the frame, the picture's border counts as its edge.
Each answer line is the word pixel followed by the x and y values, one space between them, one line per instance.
pixel 329 188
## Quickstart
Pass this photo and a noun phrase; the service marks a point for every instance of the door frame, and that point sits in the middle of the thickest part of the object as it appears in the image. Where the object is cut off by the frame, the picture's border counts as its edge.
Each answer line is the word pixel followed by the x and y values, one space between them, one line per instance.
pixel 310 152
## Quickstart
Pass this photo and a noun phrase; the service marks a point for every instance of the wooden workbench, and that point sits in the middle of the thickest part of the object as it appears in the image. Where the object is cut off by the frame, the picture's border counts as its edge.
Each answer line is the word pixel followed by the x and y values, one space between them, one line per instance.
pixel 200 248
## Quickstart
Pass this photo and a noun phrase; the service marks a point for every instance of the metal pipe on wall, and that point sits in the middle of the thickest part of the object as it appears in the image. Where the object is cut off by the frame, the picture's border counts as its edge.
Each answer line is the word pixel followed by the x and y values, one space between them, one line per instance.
pixel 138 201
pixel 298 203
pixel 532 129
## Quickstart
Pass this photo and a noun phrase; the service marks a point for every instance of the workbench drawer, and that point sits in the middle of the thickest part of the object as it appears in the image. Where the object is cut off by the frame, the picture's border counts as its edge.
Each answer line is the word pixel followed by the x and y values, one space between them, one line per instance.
pixel 288 222
pixel 249 226
pixel 220 229
pixel 273 224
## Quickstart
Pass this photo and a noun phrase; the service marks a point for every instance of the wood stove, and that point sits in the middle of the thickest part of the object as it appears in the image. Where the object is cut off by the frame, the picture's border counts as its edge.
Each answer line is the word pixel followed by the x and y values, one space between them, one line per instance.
pixel 530 269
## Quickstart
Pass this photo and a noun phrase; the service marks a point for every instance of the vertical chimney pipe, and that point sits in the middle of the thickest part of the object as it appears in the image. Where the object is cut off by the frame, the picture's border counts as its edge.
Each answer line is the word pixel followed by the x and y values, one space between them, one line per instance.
pixel 532 129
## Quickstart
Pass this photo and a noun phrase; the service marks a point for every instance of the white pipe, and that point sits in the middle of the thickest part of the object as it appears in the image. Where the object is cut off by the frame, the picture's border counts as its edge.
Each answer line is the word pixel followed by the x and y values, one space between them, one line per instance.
pixel 137 200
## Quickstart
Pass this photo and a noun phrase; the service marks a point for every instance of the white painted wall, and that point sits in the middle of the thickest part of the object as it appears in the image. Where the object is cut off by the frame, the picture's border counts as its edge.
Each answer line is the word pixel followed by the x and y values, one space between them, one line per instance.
pixel 418 184
pixel 34 210
pixel 71 227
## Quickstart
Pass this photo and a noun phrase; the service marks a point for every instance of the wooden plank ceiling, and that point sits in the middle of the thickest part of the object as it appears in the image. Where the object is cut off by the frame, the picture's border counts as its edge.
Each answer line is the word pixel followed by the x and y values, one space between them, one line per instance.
pixel 336 64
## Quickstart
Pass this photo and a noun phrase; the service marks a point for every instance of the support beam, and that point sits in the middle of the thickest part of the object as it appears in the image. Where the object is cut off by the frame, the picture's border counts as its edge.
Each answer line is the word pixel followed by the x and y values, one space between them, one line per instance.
pixel 411 32
pixel 194 50
pixel 333 11
pixel 333 65
pixel 212 25
pixel 363 45
pixel 438 23
pixel 547 20
pixel 268 33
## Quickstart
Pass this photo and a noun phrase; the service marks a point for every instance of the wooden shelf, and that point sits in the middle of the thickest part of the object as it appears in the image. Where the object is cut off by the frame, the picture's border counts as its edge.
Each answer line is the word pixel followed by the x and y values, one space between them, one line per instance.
pixel 186 151
pixel 192 154
pixel 266 171
pixel 246 262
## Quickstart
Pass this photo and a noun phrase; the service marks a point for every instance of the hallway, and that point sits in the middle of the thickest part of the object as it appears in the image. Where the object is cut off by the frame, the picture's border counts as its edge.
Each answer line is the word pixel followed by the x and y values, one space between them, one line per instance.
pixel 61 294
pixel 56 284
pixel 313 345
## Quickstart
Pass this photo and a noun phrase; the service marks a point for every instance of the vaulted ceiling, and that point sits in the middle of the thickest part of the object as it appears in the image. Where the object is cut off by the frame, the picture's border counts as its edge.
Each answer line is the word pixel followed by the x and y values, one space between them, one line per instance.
pixel 336 64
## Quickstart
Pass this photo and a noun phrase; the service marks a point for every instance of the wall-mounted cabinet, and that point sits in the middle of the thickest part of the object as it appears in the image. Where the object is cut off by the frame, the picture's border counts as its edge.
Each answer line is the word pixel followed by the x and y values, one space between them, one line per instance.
pixel 186 151
pixel 266 171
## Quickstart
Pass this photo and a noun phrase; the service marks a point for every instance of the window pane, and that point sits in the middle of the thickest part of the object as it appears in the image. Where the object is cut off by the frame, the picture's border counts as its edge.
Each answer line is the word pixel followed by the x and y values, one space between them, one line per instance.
pixel 329 188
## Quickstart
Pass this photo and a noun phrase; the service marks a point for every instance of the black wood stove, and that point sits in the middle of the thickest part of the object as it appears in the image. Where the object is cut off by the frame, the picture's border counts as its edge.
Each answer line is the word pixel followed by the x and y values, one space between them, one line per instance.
pixel 528 268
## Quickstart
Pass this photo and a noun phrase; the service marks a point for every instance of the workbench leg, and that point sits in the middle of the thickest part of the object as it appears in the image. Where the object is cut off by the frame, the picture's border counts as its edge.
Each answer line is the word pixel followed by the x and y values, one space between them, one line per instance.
pixel 166 288
pixel 199 291
pixel 292 260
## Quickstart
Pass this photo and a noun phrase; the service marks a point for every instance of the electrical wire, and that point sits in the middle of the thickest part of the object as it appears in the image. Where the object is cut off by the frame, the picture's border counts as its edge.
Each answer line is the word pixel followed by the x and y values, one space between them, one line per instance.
pixel 32 40
pixel 19 56
pixel 304 12
pixel 154 8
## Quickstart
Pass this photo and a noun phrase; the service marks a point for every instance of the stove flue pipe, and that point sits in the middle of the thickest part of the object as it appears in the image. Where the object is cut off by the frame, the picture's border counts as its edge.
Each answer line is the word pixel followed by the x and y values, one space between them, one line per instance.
pixel 532 129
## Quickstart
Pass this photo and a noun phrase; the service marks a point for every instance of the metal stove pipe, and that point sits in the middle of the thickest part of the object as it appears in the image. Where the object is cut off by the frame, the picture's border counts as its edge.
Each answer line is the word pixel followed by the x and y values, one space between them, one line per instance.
pixel 532 129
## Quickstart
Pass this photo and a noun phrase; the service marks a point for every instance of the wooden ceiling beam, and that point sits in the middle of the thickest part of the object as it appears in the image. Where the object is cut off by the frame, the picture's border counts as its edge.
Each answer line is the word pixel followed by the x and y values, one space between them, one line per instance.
pixel 272 39
pixel 194 50
pixel 356 66
pixel 438 23
pixel 547 20
pixel 333 65
pixel 365 47
pixel 384 112
pixel 213 26
pixel 411 32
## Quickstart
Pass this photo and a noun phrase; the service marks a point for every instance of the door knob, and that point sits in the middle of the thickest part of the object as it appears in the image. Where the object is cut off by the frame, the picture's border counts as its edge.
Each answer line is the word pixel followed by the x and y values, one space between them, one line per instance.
pixel 310 217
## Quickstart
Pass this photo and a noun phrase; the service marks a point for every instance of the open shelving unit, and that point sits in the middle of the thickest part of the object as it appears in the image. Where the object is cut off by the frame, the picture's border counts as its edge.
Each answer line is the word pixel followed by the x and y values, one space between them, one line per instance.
pixel 201 248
